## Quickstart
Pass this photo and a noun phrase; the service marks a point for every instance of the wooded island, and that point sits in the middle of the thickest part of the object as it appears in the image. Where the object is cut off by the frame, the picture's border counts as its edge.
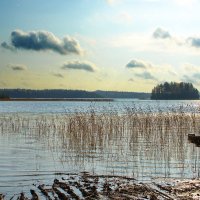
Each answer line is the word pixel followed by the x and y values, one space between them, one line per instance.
pixel 174 91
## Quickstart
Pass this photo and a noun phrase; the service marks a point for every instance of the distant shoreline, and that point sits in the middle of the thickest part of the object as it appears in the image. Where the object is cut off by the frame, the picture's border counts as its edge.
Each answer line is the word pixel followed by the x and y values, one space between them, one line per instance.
pixel 58 99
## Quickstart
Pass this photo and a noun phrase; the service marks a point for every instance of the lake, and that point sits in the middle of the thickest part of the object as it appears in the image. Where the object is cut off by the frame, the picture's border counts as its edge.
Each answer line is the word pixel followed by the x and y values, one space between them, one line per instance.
pixel 144 139
pixel 36 107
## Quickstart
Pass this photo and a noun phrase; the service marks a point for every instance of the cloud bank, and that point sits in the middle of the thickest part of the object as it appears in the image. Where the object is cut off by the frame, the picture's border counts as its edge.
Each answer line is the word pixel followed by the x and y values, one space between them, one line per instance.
pixel 78 65
pixel 187 42
pixel 145 70
pixel 42 41
pixel 145 66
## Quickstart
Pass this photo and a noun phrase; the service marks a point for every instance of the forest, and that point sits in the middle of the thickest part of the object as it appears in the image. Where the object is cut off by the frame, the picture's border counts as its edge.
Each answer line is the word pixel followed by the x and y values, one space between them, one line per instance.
pixel 174 91
pixel 61 93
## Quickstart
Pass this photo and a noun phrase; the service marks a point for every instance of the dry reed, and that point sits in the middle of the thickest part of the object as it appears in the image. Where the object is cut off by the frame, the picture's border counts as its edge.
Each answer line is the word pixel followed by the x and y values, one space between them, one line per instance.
pixel 114 135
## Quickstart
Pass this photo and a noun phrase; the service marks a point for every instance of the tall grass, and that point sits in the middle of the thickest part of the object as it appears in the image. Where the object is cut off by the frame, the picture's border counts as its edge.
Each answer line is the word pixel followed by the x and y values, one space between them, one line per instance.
pixel 116 136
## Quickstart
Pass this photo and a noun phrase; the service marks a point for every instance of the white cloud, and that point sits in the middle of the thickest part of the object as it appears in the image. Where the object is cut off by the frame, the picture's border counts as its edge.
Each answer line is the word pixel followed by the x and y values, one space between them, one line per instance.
pixel 162 42
pixel 194 42
pixel 80 65
pixel 135 63
pixel 160 33
pixel 42 41
pixel 149 71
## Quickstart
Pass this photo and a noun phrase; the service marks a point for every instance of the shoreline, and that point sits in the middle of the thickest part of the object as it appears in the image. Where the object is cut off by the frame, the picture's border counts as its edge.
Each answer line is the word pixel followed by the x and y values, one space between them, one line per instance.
pixel 85 185
pixel 59 99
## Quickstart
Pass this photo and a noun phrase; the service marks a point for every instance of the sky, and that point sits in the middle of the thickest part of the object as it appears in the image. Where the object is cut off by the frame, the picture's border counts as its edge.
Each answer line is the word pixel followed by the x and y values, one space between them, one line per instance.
pixel 121 45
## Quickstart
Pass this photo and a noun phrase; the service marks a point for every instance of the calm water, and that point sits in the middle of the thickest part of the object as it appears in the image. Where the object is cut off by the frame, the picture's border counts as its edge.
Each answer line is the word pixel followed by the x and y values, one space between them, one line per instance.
pixel 29 157
pixel 118 104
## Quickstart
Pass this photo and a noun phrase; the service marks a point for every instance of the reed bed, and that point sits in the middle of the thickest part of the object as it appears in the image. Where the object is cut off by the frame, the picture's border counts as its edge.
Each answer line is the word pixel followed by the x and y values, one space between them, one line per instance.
pixel 115 136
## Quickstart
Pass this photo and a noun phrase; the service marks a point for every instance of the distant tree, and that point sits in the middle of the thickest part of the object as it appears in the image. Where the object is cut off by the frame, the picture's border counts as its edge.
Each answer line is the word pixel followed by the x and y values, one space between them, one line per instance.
pixel 4 96
pixel 175 90
pixel 52 93
pixel 60 93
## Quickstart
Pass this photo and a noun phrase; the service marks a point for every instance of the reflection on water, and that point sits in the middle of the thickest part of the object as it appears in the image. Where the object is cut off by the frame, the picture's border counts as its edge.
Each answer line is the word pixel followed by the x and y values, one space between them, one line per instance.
pixel 145 145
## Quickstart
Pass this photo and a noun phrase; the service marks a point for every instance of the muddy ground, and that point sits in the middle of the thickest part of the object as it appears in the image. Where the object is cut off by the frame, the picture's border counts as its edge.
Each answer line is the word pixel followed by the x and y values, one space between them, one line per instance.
pixel 92 187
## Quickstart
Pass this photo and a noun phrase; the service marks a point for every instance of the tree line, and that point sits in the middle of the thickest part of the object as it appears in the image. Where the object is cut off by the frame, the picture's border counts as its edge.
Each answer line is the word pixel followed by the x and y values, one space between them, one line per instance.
pixel 174 91
pixel 61 93
pixel 51 93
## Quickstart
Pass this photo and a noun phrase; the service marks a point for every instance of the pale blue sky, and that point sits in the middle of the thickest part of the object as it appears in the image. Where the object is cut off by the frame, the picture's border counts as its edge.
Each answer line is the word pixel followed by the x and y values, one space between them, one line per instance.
pixel 103 38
